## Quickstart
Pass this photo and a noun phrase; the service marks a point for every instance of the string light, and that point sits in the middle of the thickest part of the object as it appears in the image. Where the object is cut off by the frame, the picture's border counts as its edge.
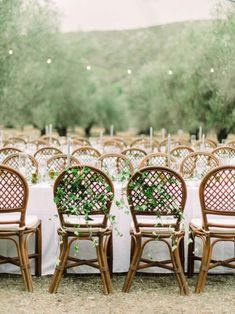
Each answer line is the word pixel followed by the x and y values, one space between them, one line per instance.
pixel 10 52
pixel 88 67
pixel 170 72
pixel 49 61
pixel 212 70
pixel 129 71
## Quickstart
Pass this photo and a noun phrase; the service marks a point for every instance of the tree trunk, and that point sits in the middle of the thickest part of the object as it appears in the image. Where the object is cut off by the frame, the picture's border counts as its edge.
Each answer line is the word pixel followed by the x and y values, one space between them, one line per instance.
pixel 62 130
pixel 88 129
pixel 222 134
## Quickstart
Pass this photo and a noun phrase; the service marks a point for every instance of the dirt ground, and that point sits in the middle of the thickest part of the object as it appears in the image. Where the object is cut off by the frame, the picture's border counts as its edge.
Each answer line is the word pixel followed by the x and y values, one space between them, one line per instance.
pixel 149 294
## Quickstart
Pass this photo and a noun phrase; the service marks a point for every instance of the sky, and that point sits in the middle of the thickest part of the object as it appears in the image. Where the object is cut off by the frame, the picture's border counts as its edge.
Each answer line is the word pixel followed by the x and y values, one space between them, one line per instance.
pixel 87 15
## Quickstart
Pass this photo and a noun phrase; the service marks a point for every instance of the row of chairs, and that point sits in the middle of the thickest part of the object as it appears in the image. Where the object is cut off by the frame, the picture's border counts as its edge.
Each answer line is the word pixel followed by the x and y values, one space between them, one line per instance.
pixel 155 218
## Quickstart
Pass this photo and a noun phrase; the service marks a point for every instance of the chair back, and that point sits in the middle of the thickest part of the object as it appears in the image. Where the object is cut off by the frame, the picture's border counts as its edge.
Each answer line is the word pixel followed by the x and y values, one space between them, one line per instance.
pixel 80 140
pixel 135 155
pixel 116 166
pixel 87 155
pixel 158 192
pixel 180 152
pixel 83 191
pixel 44 153
pixel 145 144
pixel 226 154
pixel 60 162
pixel 231 143
pixel 189 165
pixel 112 146
pixel 14 196
pixel 154 159
pixel 29 163
pixel 217 196
pixel 7 151
pixel 54 140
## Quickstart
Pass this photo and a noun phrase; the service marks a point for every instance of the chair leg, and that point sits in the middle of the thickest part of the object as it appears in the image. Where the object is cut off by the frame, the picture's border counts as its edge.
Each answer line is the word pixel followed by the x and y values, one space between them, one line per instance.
pixel 206 257
pixel 133 266
pixel 181 252
pixel 38 251
pixel 59 270
pixel 110 254
pixel 24 263
pixel 191 254
pixel 103 265
pixel 184 290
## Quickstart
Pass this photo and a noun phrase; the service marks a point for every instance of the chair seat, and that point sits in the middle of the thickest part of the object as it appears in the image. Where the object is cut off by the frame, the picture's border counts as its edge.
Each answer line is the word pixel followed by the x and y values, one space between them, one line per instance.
pixel 31 221
pixel 92 225
pixel 197 223
pixel 167 223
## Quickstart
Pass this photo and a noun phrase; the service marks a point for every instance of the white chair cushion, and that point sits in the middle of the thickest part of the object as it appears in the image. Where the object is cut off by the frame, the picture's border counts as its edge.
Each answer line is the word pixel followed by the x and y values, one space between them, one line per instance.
pixel 155 220
pixel 78 220
pixel 197 222
pixel 31 221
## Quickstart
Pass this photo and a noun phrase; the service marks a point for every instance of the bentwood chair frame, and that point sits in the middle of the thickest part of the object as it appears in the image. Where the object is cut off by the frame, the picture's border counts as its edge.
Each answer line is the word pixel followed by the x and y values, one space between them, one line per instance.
pixel 189 163
pixel 231 143
pixel 14 199
pixel 122 163
pixel 45 153
pixel 71 231
pixel 134 154
pixel 13 161
pixel 7 151
pixel 217 195
pixel 180 152
pixel 146 144
pixel 84 141
pixel 158 227
pixel 60 162
pixel 208 144
pixel 224 149
pixel 116 145
pixel 155 159
pixel 38 143
pixel 86 150
pixel 15 140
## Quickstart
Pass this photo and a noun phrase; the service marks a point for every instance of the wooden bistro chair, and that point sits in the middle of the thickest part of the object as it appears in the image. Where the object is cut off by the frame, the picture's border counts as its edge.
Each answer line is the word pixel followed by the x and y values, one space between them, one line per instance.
pixel 135 155
pixel 44 153
pixel 84 187
pixel 54 140
pixel 146 144
pixel 7 151
pixel 156 197
pixel 188 166
pixel 31 163
pixel 16 225
pixel 180 152
pixel 112 146
pixel 87 155
pixel 59 162
pixel 217 197
pixel 224 153
pixel 155 159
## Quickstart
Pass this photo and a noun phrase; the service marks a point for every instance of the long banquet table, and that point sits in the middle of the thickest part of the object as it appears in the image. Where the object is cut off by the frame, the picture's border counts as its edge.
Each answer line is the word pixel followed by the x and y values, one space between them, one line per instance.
pixel 41 204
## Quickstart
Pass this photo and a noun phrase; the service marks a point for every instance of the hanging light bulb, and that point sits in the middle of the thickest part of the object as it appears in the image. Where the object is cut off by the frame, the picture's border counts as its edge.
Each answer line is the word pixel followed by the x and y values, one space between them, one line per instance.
pixel 88 67
pixel 10 51
pixel 49 61
pixel 129 71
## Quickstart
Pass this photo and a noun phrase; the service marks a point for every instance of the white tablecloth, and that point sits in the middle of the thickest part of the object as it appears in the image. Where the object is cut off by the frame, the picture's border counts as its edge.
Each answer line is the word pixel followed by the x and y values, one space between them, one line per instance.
pixel 41 204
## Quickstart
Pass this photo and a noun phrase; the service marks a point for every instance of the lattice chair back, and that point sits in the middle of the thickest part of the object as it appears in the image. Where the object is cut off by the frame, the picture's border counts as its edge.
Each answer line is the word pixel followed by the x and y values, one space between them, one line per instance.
pixel 120 140
pixel 226 154
pixel 24 163
pixel 155 159
pixel 174 143
pixel 180 152
pixel 17 140
pixel 54 140
pixel 209 145
pixel 158 192
pixel 145 144
pixel 135 155
pixel 37 144
pixel 43 154
pixel 87 155
pixel 231 144
pixel 117 166
pixel 7 143
pixel 217 196
pixel 60 162
pixel 83 191
pixel 198 164
pixel 14 197
pixel 112 146
pixel 81 140
pixel 7 151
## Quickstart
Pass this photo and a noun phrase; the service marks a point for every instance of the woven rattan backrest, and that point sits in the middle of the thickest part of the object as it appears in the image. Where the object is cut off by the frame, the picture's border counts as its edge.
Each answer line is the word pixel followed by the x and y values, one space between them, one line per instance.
pixel 83 188
pixel 31 163
pixel 231 144
pixel 208 144
pixel 112 146
pixel 82 140
pixel 181 152
pixel 7 143
pixel 154 159
pixel 46 152
pixel 228 150
pixel 189 164
pixel 15 140
pixel 13 194
pixel 7 151
pixel 87 155
pixel 156 191
pixel 174 143
pixel 217 193
pixel 145 144
pixel 115 165
pixel 121 140
pixel 60 162
pixel 135 155
pixel 54 140
pixel 37 144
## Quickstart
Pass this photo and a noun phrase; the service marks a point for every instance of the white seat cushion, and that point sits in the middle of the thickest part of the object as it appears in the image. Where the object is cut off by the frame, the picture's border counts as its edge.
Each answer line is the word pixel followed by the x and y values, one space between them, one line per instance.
pixel 31 221
pixel 78 220
pixel 169 221
pixel 197 222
